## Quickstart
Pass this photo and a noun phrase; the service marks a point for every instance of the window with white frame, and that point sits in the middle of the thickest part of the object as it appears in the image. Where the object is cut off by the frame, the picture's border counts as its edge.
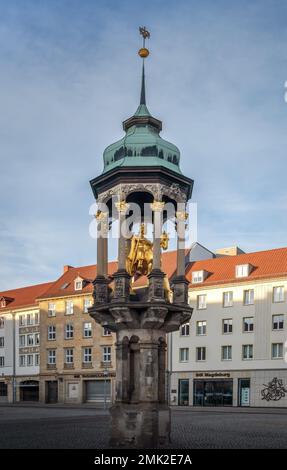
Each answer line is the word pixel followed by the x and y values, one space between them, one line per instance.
pixel 22 320
pixel 228 299
pixel 30 340
pixel 226 353
pixel 29 360
pixel 22 360
pixel 242 270
pixel 2 361
pixel 1 341
pixel 37 359
pixel 201 353
pixel 2 322
pixel 248 324
pixel 51 309
pixel 278 322
pixel 36 319
pixel 87 355
pixel 37 339
pixel 201 327
pixel 106 331
pixel 52 356
pixel 183 354
pixel 197 277
pixel 87 305
pixel 78 284
pixel 247 351
pixel 248 297
pixel 184 329
pixel 69 356
pixel 277 350
pixel 22 341
pixel 278 294
pixel 201 301
pixel 87 330
pixel 51 332
pixel 107 354
pixel 69 307
pixel 69 331
pixel 30 319
pixel 227 325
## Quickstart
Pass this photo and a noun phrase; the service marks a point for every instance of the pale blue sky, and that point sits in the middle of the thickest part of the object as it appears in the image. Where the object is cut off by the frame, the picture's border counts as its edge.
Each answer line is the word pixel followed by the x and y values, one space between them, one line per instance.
pixel 69 75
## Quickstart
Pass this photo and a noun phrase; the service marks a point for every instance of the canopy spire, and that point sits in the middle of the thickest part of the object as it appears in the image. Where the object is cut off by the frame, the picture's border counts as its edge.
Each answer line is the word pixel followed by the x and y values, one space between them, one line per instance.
pixel 143 53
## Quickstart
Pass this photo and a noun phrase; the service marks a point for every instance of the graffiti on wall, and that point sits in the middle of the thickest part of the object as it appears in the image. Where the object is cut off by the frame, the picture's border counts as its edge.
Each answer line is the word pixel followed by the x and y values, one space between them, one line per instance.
pixel 274 390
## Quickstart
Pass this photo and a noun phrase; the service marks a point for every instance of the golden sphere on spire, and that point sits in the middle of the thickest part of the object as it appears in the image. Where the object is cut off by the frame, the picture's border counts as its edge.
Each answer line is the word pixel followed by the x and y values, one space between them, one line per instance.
pixel 143 52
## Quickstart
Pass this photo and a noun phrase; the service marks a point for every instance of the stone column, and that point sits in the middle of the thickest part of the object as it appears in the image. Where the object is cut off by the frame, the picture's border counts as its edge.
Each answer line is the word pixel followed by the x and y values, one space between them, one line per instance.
pixel 157 207
pixel 181 217
pixel 121 277
pixel 123 372
pixel 148 371
pixel 161 371
pixel 101 282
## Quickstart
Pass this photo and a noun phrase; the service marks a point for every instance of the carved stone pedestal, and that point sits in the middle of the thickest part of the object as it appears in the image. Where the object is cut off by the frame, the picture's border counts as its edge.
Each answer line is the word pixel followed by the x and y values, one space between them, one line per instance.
pixel 140 426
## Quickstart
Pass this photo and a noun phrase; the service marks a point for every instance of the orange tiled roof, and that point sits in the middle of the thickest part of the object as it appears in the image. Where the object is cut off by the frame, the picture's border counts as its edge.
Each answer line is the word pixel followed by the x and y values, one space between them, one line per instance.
pixel 265 264
pixel 23 297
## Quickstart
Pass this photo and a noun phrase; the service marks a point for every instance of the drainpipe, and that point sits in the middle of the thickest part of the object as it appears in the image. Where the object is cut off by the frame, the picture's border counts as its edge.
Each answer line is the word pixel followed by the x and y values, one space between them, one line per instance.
pixel 14 359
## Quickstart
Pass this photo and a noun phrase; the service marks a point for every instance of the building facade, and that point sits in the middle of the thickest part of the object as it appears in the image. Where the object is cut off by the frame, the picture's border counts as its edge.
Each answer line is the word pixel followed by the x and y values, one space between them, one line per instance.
pixel 233 351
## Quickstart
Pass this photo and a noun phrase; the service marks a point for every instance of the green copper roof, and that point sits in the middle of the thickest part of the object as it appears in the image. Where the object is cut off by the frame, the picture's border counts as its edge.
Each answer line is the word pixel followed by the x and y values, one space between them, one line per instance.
pixel 142 144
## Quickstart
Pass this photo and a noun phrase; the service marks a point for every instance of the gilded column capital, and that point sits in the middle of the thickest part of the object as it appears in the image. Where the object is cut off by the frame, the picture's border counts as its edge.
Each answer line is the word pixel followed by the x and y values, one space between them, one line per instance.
pixel 157 206
pixel 101 216
pixel 122 206
pixel 181 215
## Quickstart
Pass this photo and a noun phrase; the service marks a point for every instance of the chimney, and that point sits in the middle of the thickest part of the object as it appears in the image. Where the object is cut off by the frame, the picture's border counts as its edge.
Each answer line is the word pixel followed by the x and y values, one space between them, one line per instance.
pixel 67 267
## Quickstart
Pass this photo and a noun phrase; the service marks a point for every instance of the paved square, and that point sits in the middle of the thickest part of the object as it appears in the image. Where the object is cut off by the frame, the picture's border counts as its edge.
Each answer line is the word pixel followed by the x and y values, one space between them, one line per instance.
pixel 88 428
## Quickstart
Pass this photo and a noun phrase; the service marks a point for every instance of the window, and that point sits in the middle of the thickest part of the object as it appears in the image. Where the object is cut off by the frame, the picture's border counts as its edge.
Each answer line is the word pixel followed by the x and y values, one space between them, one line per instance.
pixel 87 304
pixel 277 350
pixel 1 341
pixel 201 301
pixel 22 341
pixel 248 324
pixel 248 297
pixel 278 294
pixel 183 354
pixel 278 322
pixel 36 319
pixel 107 354
pixel 227 325
pixel 69 333
pixel 29 360
pixel 30 319
pixel 184 329
pixel 242 270
pixel 3 389
pixel 78 284
pixel 106 331
pixel 69 356
pixel 22 320
pixel 30 340
pixel 37 339
pixel 22 361
pixel 87 356
pixel 87 330
pixel 37 359
pixel 228 299
pixel 2 361
pixel 197 276
pixel 2 322
pixel 201 354
pixel 69 307
pixel 51 309
pixel 201 327
pixel 52 356
pixel 247 351
pixel 51 332
pixel 226 353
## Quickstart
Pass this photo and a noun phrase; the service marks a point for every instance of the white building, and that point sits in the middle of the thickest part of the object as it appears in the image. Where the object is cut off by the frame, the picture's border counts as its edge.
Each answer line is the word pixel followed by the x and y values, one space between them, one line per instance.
pixel 233 351
pixel 20 343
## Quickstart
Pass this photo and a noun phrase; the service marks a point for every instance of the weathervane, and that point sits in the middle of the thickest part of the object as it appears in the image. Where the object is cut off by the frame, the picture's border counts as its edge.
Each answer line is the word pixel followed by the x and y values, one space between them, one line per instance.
pixel 144 52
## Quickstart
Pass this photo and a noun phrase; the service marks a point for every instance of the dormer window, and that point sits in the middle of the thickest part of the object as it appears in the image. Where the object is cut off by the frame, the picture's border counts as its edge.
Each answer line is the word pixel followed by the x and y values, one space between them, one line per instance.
pixel 3 303
pixel 198 276
pixel 78 283
pixel 243 270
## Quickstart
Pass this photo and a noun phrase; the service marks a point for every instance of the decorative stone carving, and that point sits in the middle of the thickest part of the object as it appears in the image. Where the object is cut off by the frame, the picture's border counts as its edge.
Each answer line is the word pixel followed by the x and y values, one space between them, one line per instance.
pixel 156 189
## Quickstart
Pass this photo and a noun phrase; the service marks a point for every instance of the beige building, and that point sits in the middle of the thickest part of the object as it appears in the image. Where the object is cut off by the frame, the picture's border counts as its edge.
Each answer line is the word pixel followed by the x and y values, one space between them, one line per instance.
pixel 234 349
pixel 77 358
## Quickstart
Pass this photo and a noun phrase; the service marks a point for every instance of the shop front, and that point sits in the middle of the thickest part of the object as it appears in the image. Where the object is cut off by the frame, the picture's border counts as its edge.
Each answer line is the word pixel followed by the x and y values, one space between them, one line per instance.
pixel 213 392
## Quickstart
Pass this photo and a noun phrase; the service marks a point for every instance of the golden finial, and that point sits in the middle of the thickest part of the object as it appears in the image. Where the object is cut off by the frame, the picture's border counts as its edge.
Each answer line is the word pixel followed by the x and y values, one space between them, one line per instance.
pixel 144 52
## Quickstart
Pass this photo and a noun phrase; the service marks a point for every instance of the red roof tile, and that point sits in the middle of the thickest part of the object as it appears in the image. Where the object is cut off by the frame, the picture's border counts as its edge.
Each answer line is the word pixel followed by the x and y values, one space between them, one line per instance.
pixel 265 264
pixel 23 297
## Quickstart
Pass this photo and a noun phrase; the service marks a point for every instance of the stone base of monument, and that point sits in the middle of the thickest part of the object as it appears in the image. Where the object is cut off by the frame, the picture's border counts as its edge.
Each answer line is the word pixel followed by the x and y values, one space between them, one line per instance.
pixel 140 426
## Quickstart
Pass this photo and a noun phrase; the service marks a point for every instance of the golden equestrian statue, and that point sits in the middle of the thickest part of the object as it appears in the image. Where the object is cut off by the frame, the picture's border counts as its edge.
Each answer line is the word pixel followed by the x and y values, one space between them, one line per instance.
pixel 140 257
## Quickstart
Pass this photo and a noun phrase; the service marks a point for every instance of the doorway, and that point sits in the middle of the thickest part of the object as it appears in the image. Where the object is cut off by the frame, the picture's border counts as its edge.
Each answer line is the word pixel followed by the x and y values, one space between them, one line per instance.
pixel 183 392
pixel 52 391
pixel 29 390
pixel 213 392
pixel 243 392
